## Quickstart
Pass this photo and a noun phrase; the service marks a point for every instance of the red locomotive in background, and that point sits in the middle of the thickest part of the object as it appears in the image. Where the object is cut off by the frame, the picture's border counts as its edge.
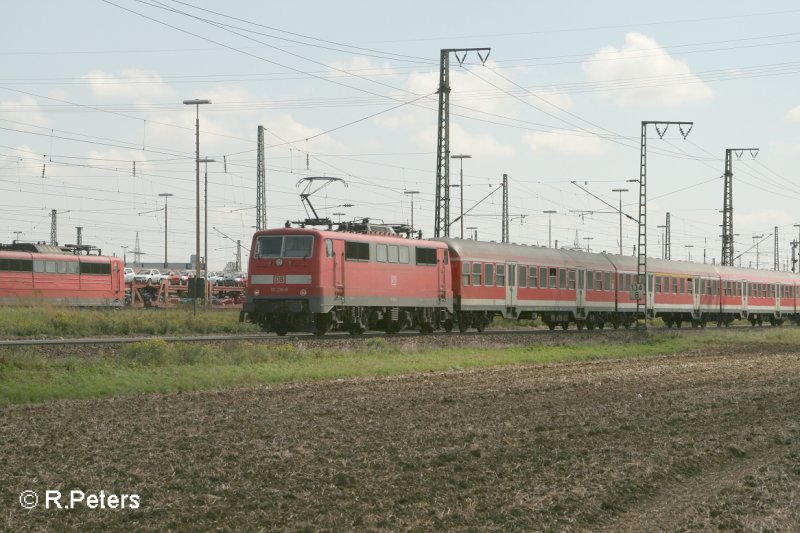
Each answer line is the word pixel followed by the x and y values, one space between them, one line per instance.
pixel 31 273
pixel 311 280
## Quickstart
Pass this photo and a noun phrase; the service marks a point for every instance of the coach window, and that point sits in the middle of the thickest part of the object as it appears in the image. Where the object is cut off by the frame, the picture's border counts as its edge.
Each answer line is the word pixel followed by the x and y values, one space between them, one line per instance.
pixel 403 251
pixel 571 280
pixel 543 277
pixel 380 253
pixel 690 286
pixel 598 281
pixel 607 285
pixel 329 247
pixel 534 277
pixel 489 275
pixel 589 280
pixel 476 274
pixel 523 276
pixel 501 275
pixel 465 273
pixel 553 278
pixel 682 288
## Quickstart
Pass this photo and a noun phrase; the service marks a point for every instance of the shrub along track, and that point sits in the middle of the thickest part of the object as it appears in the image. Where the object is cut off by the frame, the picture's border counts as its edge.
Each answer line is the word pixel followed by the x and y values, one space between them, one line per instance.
pixel 701 440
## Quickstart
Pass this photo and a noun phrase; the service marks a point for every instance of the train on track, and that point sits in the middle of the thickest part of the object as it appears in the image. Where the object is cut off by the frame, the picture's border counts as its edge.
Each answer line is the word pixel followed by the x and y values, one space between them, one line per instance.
pixel 60 275
pixel 310 280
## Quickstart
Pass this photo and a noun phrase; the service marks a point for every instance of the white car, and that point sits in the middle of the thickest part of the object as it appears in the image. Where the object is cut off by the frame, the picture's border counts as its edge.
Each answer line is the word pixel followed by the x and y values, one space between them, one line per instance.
pixel 129 274
pixel 151 276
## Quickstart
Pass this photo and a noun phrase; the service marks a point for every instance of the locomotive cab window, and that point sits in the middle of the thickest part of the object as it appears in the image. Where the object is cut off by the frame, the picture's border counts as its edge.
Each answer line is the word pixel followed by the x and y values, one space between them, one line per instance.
pixel 273 246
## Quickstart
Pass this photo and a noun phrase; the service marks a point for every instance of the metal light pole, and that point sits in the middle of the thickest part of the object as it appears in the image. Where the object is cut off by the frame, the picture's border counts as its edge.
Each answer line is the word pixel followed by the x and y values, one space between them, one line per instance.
pixel 197 103
pixel 620 191
pixel 757 238
pixel 165 195
pixel 550 214
pixel 689 247
pixel 339 214
pixel 473 232
pixel 206 161
pixel 461 158
pixel 588 240
pixel 411 194
pixel 124 255
pixel 663 227
pixel 17 233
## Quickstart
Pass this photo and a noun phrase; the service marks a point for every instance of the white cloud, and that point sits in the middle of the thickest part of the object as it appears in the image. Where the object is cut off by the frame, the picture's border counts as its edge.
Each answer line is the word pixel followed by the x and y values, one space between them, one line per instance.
pixel 793 115
pixel 26 110
pixel 363 67
pixel 565 142
pixel 641 72
pixel 130 84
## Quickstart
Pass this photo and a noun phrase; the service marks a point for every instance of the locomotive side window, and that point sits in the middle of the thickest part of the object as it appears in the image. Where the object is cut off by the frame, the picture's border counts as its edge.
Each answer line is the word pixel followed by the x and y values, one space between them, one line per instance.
pixel 16 265
pixel 534 277
pixel 95 268
pixel 501 275
pixel 403 254
pixel 489 273
pixel 393 253
pixel 356 251
pixel 523 276
pixel 426 256
pixel 465 273
pixel 380 253
pixel 476 274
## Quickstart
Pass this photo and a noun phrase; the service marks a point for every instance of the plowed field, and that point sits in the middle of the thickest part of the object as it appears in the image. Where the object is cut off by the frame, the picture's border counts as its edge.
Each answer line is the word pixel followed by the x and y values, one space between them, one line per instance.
pixel 692 441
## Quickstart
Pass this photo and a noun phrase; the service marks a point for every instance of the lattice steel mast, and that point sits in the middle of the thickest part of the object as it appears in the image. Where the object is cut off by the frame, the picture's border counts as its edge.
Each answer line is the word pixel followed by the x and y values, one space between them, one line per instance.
pixel 261 196
pixel 641 249
pixel 727 203
pixel 441 226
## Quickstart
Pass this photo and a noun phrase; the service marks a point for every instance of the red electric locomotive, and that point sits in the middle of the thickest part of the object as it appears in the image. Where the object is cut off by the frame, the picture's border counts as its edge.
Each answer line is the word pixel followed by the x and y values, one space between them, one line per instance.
pixel 310 280
pixel 32 273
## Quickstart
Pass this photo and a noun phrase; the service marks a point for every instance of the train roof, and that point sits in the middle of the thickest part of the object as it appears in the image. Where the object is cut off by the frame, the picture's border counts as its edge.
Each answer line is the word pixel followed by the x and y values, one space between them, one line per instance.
pixel 382 237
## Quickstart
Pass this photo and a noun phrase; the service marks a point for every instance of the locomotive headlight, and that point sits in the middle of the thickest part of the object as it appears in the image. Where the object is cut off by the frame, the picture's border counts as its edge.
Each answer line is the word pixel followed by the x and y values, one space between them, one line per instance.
pixel 303 292
pixel 256 292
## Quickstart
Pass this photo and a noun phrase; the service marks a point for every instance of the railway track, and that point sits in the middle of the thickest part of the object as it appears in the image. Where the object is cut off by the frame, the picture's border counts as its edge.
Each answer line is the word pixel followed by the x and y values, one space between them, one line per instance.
pixel 437 337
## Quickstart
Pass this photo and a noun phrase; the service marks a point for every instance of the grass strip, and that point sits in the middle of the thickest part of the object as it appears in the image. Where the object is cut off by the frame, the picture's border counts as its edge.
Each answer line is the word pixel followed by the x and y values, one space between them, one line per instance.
pixel 28 376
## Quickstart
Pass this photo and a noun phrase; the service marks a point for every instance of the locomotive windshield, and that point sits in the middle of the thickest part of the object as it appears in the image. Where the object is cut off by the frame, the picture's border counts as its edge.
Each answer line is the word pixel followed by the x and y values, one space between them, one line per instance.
pixel 269 246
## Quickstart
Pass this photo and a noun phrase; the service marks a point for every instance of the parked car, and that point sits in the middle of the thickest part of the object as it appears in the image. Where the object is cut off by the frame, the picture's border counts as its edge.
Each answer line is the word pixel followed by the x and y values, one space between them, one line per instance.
pixel 129 274
pixel 215 277
pixel 234 279
pixel 186 275
pixel 151 276
pixel 173 276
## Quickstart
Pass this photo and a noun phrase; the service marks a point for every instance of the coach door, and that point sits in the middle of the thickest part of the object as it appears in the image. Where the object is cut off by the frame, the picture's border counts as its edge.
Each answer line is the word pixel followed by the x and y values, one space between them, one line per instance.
pixel 580 291
pixel 649 289
pixel 694 284
pixel 511 290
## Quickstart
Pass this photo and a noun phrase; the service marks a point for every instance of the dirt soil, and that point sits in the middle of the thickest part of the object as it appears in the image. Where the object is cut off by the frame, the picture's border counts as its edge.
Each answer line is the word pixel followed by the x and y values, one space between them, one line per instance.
pixel 686 442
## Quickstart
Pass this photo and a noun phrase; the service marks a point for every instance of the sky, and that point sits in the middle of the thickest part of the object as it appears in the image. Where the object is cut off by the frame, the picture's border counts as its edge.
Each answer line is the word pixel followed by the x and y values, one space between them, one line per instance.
pixel 92 122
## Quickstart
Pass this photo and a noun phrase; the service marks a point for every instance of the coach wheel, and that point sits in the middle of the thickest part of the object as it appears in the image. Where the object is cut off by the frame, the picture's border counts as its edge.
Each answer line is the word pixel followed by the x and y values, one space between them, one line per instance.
pixel 589 324
pixel 281 332
pixel 772 321
pixel 551 325
pixel 448 326
pixel 579 324
pixel 601 325
pixel 564 325
pixel 703 323
pixel 760 321
pixel 615 324
pixel 668 322
pixel 462 325
pixel 481 325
